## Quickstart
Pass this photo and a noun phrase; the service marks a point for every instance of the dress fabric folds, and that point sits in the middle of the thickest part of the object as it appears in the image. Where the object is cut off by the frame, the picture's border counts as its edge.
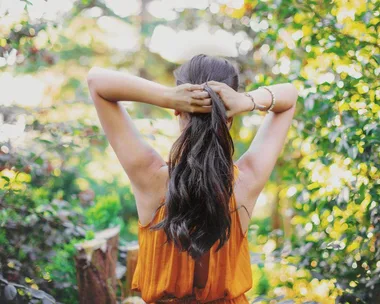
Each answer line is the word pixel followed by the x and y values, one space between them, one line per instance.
pixel 163 271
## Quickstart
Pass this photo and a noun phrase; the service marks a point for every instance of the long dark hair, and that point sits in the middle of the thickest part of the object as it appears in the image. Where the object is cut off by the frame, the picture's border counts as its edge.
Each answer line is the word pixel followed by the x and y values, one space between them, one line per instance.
pixel 201 166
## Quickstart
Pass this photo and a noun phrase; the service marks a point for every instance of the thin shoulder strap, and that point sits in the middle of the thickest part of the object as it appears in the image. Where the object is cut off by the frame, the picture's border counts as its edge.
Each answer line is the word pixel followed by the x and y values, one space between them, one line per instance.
pixel 245 210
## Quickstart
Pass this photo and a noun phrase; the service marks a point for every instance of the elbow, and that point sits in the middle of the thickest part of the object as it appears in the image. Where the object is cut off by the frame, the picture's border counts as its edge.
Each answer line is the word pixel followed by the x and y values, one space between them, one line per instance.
pixel 294 93
pixel 92 77
pixel 291 94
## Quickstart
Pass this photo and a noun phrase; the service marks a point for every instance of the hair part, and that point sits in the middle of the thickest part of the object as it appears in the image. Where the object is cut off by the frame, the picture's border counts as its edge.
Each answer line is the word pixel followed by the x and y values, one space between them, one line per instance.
pixel 201 172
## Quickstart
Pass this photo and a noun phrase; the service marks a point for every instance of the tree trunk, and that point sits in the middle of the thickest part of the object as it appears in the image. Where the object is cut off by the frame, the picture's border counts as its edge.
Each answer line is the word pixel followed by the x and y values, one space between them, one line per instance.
pixel 96 268
pixel 132 255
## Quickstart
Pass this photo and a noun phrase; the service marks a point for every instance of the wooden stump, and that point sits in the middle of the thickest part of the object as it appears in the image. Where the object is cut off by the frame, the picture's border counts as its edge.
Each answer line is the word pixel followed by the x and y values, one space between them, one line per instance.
pixel 96 268
pixel 131 263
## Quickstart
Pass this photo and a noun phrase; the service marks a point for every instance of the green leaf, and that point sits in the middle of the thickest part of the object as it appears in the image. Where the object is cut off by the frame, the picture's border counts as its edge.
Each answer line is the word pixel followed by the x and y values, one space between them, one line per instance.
pixel 377 58
pixel 27 2
pixel 6 178
pixel 45 141
pixel 39 161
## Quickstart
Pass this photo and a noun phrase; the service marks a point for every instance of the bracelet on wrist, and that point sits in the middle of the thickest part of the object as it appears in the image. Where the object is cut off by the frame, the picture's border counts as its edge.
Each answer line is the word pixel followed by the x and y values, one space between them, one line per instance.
pixel 253 101
pixel 255 104
pixel 273 102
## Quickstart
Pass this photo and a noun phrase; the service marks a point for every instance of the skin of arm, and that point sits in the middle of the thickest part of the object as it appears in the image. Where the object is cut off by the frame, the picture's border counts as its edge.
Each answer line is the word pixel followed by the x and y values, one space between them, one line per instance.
pixel 139 160
pixel 286 96
pixel 133 152
pixel 117 86
pixel 257 163
pixel 142 163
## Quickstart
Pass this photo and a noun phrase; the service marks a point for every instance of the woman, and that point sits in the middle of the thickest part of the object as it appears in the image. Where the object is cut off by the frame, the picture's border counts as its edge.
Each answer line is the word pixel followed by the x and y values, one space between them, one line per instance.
pixel 193 245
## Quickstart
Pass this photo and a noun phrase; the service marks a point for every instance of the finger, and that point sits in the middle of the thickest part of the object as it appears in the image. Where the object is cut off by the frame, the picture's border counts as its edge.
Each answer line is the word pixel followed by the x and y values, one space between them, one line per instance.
pixel 215 88
pixel 200 95
pixel 214 83
pixel 202 109
pixel 201 102
pixel 206 102
pixel 194 87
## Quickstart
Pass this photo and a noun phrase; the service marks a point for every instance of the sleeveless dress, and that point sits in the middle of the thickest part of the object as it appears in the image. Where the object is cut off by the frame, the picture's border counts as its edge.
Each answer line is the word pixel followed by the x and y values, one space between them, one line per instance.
pixel 163 271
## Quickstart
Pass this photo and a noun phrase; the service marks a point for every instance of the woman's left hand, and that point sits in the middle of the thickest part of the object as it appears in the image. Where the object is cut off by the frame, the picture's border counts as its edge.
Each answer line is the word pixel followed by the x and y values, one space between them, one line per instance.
pixel 188 98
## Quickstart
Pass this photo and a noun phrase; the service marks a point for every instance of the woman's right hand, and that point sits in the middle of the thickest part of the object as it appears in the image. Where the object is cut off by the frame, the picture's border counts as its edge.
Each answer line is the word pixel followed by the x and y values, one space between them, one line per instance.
pixel 189 98
pixel 234 102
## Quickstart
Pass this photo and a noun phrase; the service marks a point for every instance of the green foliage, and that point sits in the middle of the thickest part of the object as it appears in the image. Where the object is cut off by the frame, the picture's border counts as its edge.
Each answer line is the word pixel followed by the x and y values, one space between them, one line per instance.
pixel 16 293
pixel 90 235
pixel 105 212
pixel 39 227
pixel 29 256
pixel 62 271
pixel 327 178
pixel 319 227
pixel 263 285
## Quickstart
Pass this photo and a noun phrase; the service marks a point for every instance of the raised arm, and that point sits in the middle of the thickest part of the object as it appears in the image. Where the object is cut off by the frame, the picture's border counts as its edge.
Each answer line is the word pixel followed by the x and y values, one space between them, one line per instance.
pixel 139 160
pixel 107 87
pixel 257 163
pixel 260 158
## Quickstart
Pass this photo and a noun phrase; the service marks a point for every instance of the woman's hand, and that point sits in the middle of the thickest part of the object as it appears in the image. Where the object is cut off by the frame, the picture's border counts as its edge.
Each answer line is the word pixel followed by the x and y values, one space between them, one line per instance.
pixel 234 102
pixel 189 98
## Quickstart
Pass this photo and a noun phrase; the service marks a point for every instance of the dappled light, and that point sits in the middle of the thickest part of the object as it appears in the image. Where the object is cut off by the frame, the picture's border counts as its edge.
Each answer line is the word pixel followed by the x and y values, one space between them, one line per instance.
pixel 314 232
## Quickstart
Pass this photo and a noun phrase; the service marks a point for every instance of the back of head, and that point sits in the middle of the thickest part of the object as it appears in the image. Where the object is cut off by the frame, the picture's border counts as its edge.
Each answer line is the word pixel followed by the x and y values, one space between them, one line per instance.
pixel 201 166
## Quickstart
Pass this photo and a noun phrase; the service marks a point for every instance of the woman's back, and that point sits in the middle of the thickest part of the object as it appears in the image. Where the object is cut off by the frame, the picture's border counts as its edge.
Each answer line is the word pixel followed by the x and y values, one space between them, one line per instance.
pixel 199 173
pixel 164 272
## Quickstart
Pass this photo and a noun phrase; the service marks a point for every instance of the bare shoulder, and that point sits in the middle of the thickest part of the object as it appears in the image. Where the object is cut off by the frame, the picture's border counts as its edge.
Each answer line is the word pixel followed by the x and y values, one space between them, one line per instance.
pixel 148 201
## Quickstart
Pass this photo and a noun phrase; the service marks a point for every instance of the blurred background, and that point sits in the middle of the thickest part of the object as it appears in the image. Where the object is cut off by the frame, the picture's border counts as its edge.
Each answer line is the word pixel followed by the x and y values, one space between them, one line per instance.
pixel 315 232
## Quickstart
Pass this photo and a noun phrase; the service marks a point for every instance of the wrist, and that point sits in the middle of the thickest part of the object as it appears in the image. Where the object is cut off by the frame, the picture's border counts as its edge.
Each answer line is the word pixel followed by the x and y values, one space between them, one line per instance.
pixel 167 98
pixel 246 102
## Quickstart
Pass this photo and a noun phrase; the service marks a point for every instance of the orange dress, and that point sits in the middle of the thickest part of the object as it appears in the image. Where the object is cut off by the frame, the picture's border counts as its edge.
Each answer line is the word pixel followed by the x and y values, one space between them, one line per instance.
pixel 163 271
